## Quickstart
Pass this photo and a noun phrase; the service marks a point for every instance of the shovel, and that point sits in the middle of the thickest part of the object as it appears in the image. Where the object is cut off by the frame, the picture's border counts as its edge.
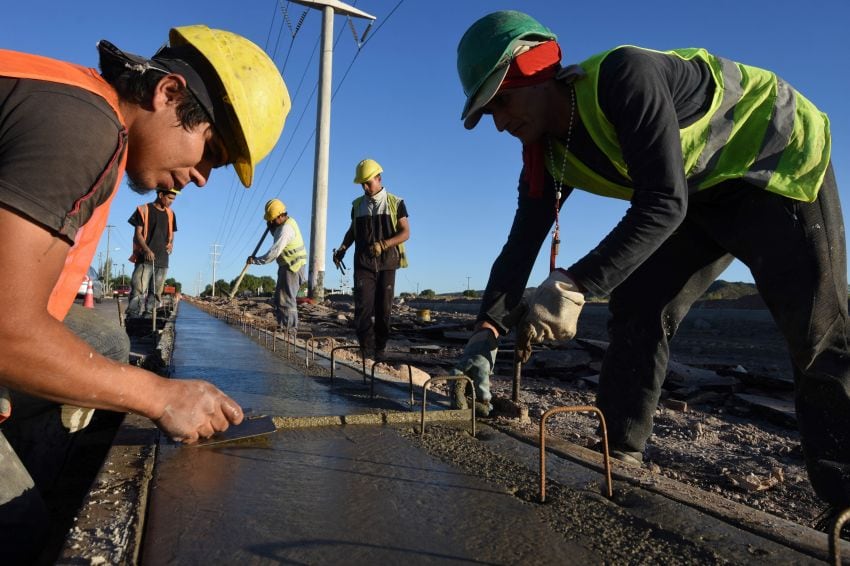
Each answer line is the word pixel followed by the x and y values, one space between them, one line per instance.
pixel 247 265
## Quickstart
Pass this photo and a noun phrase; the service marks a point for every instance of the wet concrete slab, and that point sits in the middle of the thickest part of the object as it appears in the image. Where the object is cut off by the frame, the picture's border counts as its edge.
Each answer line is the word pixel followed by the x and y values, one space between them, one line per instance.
pixel 359 494
pixel 352 494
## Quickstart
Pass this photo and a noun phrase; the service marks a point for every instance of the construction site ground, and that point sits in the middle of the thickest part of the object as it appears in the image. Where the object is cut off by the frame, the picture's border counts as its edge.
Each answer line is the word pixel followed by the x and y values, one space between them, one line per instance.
pixel 723 481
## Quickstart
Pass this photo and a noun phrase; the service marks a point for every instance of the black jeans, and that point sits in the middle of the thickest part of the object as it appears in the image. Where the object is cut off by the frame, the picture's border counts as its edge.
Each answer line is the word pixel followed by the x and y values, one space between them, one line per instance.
pixel 373 303
pixel 796 254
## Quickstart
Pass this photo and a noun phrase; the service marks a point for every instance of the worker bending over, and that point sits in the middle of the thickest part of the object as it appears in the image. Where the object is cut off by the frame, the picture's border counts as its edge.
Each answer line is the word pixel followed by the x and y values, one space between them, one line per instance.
pixel 67 133
pixel 378 229
pixel 718 160
pixel 288 250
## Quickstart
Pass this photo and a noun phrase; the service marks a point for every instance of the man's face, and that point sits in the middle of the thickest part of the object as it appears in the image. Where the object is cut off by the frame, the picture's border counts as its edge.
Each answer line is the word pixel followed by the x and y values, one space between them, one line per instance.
pixel 163 154
pixel 165 199
pixel 520 111
pixel 372 186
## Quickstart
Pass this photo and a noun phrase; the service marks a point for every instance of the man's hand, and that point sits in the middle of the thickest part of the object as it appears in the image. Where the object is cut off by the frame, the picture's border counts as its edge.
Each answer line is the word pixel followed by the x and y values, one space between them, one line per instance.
pixel 339 253
pixel 552 313
pixel 378 248
pixel 251 260
pixel 196 409
pixel 477 361
pixel 169 247
pixel 149 255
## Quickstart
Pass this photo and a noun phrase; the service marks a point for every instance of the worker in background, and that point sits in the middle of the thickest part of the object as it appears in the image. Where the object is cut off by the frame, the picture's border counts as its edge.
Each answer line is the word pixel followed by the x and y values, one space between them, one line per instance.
pixel 67 133
pixel 378 229
pixel 153 241
pixel 288 249
pixel 656 128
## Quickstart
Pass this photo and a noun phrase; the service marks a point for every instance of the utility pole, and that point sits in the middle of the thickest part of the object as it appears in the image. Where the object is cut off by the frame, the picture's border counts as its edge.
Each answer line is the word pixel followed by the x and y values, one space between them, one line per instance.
pixel 106 287
pixel 467 282
pixel 318 228
pixel 198 285
pixel 215 253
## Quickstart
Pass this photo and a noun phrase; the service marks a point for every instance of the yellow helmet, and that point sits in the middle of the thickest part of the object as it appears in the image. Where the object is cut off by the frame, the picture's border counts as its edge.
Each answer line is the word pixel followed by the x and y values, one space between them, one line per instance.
pixel 365 170
pixel 274 208
pixel 255 95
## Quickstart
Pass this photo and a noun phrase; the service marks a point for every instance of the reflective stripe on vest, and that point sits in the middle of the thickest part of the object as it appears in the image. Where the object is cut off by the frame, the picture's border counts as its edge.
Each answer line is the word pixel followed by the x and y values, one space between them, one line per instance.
pixel 392 206
pixel 138 253
pixel 18 65
pixel 294 255
pixel 776 139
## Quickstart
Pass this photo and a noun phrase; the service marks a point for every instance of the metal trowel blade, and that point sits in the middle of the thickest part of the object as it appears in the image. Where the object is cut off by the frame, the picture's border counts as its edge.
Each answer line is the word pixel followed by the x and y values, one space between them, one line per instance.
pixel 254 426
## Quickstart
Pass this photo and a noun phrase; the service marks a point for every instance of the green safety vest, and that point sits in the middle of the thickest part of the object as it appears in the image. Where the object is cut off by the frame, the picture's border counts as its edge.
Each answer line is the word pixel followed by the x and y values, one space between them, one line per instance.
pixel 758 128
pixel 392 205
pixel 293 256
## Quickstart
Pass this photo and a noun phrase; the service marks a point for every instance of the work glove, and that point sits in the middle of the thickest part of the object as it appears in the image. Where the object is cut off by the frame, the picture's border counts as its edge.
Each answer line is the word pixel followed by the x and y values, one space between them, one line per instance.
pixel 378 248
pixel 5 404
pixel 477 361
pixel 339 253
pixel 553 311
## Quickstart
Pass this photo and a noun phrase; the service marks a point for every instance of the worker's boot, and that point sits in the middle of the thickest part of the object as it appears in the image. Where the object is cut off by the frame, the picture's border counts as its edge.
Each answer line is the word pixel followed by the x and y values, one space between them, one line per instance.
pixel 459 394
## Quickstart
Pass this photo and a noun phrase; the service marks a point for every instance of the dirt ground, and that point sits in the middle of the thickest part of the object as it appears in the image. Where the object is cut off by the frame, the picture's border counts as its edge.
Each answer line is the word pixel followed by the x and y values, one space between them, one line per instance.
pixel 725 423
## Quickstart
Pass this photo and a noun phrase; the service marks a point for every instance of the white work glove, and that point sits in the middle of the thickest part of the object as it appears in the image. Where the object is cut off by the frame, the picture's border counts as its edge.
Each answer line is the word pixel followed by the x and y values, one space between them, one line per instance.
pixel 5 404
pixel 553 312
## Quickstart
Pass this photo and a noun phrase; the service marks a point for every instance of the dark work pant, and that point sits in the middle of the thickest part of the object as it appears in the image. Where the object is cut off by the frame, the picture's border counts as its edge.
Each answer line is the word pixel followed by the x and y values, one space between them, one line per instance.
pixel 373 302
pixel 285 296
pixel 796 254
pixel 38 445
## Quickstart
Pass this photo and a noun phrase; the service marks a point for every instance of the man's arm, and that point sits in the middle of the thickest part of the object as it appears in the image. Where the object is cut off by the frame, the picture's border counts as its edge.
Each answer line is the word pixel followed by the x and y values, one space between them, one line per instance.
pixel 401 236
pixel 41 357
pixel 509 275
pixel 282 237
pixel 140 240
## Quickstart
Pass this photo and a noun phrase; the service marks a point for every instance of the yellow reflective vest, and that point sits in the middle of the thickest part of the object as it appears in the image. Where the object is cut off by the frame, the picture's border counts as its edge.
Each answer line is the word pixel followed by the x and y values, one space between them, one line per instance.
pixel 293 256
pixel 757 128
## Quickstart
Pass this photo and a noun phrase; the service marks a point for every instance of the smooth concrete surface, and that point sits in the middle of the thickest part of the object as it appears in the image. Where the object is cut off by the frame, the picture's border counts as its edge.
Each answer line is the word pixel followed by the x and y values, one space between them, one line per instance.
pixel 373 494
pixel 342 494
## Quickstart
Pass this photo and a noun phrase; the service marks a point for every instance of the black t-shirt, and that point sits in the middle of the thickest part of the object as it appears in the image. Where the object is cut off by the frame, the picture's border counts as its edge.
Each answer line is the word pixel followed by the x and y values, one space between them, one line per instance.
pixel 157 238
pixel 56 141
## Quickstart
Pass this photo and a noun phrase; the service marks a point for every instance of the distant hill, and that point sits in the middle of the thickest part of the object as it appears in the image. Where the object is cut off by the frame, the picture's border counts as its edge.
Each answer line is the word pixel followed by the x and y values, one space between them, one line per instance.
pixel 718 291
pixel 724 290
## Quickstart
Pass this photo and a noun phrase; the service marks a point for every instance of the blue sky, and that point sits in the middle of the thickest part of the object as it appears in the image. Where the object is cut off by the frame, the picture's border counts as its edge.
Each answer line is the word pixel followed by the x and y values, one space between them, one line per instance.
pixel 399 102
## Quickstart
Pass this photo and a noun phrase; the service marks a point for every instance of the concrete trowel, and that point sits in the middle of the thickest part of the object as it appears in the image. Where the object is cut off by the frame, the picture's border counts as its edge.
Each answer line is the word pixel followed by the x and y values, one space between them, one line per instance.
pixel 250 427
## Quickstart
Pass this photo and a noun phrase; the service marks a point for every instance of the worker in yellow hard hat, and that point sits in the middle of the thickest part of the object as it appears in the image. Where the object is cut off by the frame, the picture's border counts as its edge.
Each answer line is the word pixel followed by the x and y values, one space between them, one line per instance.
pixel 379 228
pixel 291 255
pixel 207 99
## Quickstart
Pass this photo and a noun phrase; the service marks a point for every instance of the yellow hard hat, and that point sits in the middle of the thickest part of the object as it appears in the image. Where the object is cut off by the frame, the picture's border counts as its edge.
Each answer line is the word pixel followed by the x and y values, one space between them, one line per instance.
pixel 274 208
pixel 365 170
pixel 255 97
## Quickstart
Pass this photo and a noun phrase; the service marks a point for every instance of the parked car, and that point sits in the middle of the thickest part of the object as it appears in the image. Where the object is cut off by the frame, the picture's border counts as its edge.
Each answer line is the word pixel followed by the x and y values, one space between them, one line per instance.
pixel 97 286
pixel 121 291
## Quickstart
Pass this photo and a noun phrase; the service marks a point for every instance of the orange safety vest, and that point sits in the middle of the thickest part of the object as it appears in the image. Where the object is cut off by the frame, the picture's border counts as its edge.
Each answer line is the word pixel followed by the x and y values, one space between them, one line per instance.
pixel 139 254
pixel 14 64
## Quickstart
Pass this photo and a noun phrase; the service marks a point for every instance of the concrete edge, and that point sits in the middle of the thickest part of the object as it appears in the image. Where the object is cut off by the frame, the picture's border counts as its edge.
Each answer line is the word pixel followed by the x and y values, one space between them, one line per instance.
pixel 771 527
pixel 383 417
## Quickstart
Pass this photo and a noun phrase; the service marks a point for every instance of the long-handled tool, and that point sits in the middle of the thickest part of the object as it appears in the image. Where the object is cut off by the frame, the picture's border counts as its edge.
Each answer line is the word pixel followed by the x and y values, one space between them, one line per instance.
pixel 339 264
pixel 247 265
